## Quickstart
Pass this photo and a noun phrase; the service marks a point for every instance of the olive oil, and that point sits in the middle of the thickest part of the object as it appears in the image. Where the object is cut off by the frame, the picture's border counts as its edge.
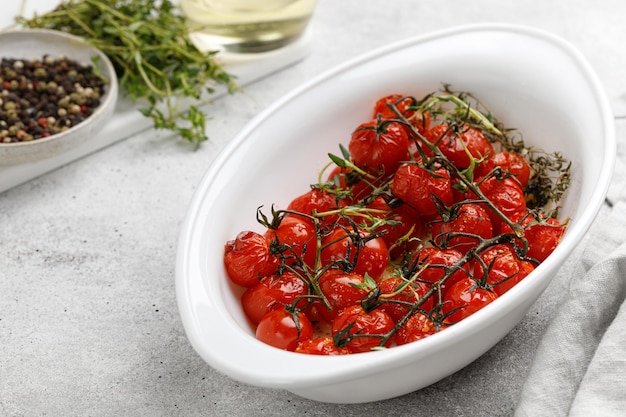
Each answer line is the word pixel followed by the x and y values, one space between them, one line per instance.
pixel 247 25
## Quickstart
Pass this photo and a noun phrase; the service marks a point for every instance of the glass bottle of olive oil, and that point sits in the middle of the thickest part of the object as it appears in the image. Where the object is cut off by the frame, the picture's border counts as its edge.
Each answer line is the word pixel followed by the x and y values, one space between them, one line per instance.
pixel 247 25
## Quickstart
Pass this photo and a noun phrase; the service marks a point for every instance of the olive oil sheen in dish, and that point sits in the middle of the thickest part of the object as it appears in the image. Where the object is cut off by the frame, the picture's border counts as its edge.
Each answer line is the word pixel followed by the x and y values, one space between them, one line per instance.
pixel 248 25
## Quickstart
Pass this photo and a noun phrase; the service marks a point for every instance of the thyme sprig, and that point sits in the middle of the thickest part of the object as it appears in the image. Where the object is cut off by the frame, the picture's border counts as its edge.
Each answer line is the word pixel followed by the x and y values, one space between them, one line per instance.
pixel 156 63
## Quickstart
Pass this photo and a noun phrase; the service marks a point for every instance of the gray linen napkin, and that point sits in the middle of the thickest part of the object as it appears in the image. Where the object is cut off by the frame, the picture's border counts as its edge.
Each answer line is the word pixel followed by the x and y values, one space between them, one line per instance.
pixel 580 365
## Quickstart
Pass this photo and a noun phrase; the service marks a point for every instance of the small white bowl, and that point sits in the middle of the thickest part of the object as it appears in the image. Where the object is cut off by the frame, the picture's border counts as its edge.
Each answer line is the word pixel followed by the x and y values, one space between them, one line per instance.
pixel 531 80
pixel 33 44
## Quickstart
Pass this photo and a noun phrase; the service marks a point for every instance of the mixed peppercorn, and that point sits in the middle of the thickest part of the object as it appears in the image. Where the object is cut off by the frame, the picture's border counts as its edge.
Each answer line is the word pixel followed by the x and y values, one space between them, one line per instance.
pixel 40 98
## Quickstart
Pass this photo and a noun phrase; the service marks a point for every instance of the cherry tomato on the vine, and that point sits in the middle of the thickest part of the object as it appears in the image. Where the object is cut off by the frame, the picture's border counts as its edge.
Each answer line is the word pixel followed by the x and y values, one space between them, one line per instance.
pixel 354 323
pixel 502 267
pixel 512 164
pixel 322 345
pixel 421 188
pixel 397 305
pixel 315 201
pixel 543 238
pixel 434 263
pixel 508 197
pixel 465 298
pixel 341 289
pixel 359 249
pixel 384 106
pixel 379 145
pixel 284 329
pixel 298 236
pixel 456 141
pixel 247 259
pixel 472 224
pixel 417 327
pixel 406 106
pixel 258 300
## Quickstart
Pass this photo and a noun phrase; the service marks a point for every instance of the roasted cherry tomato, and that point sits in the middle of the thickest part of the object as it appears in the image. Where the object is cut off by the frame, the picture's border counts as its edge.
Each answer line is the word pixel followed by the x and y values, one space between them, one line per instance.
pixel 421 188
pixel 405 105
pixel 341 289
pixel 465 229
pixel 379 145
pixel 464 299
pixel 257 301
pixel 315 201
pixel 417 327
pixel 283 329
pixel 354 322
pixel 455 142
pixel 434 263
pixel 384 106
pixel 322 345
pixel 513 165
pixel 247 259
pixel 508 197
pixel 298 236
pixel 543 237
pixel 365 253
pixel 501 267
pixel 395 302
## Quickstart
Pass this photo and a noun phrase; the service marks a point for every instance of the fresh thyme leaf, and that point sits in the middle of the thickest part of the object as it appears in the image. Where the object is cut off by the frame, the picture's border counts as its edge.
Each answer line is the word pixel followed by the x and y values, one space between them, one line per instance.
pixel 337 160
pixel 148 44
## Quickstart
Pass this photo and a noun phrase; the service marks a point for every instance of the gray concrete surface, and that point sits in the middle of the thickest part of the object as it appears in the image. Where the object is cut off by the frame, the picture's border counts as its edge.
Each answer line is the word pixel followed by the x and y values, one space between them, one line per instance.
pixel 89 324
